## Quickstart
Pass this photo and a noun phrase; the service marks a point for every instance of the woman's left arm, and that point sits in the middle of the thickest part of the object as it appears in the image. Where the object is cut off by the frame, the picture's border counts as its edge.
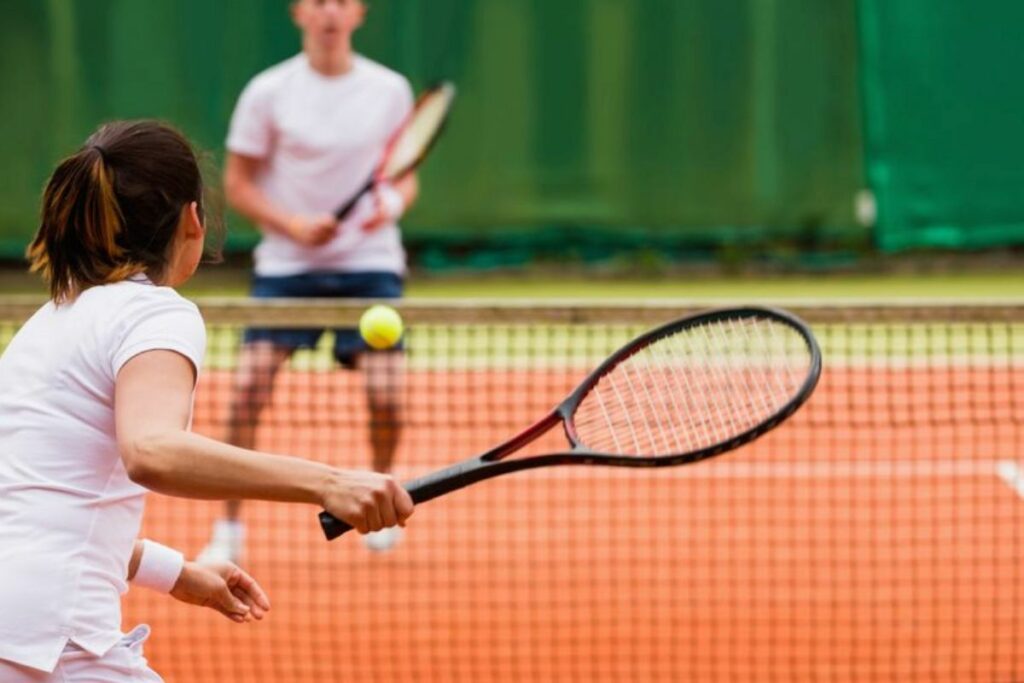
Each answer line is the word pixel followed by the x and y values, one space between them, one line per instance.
pixel 221 586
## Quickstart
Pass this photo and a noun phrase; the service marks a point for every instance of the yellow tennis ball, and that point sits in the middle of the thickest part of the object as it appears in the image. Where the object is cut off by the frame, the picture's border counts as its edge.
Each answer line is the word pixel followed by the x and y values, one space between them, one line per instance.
pixel 381 326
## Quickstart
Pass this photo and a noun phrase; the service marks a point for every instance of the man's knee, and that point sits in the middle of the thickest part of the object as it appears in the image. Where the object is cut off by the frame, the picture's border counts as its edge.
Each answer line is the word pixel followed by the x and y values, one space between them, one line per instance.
pixel 384 404
pixel 254 380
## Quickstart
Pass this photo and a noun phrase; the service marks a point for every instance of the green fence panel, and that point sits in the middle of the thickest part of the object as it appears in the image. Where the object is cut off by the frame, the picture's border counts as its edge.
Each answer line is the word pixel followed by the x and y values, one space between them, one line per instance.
pixel 669 122
pixel 943 97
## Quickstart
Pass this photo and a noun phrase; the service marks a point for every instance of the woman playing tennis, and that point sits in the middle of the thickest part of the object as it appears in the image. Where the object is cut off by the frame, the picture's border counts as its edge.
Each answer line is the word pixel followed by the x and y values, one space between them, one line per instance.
pixel 95 409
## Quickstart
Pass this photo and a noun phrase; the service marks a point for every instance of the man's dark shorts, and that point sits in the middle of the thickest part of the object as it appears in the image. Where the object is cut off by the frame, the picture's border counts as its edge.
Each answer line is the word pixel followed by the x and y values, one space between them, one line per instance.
pixel 347 341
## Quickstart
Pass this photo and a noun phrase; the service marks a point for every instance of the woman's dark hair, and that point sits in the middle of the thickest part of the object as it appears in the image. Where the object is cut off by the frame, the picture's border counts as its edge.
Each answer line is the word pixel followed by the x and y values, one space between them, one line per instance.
pixel 111 210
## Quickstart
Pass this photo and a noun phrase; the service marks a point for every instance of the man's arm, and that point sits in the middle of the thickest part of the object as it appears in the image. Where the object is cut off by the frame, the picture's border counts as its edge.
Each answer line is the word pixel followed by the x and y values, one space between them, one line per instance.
pixel 245 196
pixel 406 191
pixel 409 188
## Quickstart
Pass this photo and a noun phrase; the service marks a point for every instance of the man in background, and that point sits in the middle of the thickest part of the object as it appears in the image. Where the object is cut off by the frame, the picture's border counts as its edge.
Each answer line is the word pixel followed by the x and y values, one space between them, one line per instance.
pixel 304 137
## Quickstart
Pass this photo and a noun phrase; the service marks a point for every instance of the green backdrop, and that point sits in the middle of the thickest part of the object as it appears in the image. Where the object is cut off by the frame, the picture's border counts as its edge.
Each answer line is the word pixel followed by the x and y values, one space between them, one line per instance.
pixel 589 121
pixel 680 125
pixel 944 128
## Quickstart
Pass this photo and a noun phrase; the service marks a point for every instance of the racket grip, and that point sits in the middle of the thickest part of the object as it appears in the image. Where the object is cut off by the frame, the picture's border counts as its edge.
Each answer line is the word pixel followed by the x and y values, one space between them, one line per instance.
pixel 343 212
pixel 332 526
pixel 432 485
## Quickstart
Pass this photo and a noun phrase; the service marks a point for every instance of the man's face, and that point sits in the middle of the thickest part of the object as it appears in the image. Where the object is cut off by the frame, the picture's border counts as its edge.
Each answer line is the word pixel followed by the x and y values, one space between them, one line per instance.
pixel 327 21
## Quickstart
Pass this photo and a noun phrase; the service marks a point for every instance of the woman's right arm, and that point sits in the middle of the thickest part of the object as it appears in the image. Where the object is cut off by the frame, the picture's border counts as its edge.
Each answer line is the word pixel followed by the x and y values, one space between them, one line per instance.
pixel 153 402
pixel 245 196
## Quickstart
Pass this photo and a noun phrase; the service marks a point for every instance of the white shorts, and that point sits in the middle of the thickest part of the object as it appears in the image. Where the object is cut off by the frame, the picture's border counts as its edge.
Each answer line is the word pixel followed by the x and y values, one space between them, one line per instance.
pixel 124 663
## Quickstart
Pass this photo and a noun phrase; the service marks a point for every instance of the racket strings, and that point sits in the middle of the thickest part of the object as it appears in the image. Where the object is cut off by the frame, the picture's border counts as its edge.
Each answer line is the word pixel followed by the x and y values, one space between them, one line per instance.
pixel 423 126
pixel 695 388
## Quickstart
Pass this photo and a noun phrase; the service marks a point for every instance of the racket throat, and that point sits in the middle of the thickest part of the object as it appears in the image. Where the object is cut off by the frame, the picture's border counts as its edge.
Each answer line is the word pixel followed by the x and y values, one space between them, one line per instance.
pixel 456 477
pixel 524 438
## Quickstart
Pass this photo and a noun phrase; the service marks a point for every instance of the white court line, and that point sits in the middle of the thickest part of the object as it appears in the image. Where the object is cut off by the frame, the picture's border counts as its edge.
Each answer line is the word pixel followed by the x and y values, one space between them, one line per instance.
pixel 1010 472
pixel 724 469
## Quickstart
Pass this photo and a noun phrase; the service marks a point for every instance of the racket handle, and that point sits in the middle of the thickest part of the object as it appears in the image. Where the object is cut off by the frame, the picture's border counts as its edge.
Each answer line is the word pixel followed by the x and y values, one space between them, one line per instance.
pixel 421 490
pixel 332 526
pixel 343 212
pixel 438 483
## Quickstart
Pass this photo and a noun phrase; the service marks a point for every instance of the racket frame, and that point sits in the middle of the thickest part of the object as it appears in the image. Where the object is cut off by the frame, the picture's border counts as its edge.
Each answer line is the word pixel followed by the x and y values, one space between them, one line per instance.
pixel 378 175
pixel 491 463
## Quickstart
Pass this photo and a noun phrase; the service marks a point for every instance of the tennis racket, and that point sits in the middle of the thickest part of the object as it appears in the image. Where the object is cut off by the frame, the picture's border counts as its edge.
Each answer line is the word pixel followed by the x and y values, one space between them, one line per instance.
pixel 686 391
pixel 411 143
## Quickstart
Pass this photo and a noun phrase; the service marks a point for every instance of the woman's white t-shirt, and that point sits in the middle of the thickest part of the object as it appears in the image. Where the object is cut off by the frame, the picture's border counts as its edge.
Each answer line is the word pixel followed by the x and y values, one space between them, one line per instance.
pixel 320 139
pixel 69 514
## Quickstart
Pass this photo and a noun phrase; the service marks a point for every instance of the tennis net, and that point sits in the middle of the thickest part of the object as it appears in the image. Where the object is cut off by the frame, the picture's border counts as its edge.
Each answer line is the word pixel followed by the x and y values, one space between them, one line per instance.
pixel 878 535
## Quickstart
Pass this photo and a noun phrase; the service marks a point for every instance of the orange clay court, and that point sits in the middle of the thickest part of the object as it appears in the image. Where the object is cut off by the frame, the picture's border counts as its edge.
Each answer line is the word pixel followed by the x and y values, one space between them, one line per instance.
pixel 875 536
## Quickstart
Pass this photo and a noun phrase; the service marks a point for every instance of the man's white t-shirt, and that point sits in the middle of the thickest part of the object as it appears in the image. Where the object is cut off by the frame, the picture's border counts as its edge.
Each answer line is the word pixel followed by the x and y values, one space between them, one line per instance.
pixel 320 139
pixel 69 514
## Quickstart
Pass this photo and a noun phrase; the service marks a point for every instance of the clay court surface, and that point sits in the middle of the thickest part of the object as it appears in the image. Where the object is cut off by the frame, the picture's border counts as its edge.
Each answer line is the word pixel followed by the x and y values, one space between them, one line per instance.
pixel 877 536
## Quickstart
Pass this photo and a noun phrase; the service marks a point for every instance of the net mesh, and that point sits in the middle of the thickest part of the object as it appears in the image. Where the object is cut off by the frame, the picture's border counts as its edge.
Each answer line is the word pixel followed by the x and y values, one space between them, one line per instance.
pixel 877 535
pixel 695 388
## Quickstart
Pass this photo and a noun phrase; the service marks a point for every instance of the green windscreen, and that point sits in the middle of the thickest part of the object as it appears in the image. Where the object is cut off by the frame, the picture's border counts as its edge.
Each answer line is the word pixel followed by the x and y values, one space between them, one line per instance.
pixel 660 122
pixel 943 97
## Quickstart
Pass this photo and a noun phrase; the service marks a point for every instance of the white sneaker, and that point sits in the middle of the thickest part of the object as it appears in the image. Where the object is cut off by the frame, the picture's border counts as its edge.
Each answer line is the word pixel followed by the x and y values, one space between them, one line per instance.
pixel 383 540
pixel 226 543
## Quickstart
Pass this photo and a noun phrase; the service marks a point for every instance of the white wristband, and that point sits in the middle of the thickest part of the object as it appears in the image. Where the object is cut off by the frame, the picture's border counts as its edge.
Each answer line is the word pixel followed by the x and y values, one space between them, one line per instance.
pixel 394 203
pixel 159 567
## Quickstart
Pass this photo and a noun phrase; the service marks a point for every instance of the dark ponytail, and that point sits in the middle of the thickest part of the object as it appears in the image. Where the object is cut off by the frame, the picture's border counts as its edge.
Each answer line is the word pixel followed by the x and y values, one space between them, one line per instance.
pixel 111 210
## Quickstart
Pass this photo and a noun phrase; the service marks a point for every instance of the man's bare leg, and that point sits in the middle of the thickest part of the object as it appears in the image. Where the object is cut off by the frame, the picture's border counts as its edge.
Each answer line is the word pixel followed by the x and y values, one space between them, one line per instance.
pixel 384 375
pixel 252 389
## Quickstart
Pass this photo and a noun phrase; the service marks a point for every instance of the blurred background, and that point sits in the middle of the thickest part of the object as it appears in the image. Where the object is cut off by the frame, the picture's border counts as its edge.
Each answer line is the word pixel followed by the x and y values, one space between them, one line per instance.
pixel 632 138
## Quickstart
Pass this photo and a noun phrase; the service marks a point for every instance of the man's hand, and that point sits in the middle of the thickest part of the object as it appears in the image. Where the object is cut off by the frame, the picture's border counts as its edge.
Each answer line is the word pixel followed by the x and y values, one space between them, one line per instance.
pixel 224 587
pixel 391 200
pixel 312 231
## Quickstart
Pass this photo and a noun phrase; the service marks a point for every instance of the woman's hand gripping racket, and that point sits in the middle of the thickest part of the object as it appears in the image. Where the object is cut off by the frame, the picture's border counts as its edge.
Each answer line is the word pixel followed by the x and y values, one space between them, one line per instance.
pixel 410 144
pixel 689 390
